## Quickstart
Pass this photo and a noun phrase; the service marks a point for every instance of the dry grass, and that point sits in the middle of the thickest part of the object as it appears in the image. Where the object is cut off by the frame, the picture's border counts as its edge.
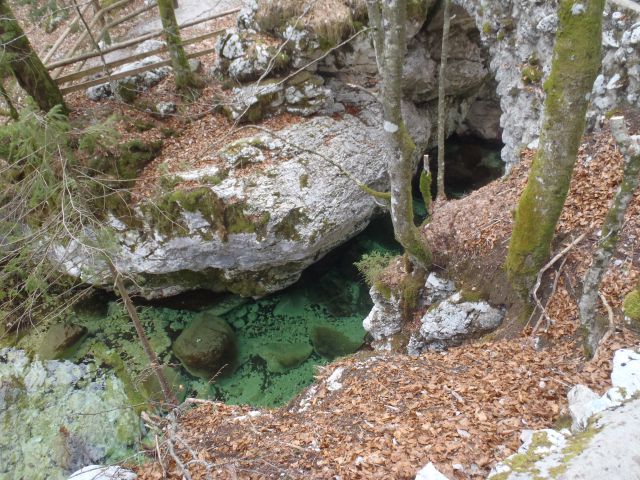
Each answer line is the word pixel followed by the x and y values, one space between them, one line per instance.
pixel 329 20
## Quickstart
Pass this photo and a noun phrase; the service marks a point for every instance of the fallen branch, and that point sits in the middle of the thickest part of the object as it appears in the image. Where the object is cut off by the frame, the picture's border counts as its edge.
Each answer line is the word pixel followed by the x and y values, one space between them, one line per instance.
pixel 534 292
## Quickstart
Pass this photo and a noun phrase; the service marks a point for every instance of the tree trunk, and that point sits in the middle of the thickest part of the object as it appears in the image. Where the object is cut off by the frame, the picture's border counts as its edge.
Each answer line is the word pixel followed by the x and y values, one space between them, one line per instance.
pixel 168 394
pixel 389 21
pixel 576 60
pixel 102 23
pixel 185 79
pixel 13 113
pixel 609 235
pixel 442 102
pixel 25 64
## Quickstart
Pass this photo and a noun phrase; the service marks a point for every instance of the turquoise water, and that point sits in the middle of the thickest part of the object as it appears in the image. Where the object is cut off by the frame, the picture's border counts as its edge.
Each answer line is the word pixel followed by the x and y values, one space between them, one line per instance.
pixel 329 302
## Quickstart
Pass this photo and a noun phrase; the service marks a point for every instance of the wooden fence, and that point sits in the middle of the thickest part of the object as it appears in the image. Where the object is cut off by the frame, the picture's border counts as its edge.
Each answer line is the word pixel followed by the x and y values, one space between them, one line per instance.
pixel 57 67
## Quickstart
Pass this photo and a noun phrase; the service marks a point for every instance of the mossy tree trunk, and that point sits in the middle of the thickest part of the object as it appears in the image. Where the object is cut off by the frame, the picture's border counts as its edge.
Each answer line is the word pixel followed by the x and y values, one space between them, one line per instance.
pixel 186 80
pixel 23 61
pixel 609 235
pixel 388 19
pixel 575 64
pixel 442 101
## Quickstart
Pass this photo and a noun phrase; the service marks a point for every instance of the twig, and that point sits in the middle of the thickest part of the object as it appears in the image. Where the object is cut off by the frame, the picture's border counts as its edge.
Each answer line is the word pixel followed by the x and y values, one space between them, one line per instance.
pixel 541 273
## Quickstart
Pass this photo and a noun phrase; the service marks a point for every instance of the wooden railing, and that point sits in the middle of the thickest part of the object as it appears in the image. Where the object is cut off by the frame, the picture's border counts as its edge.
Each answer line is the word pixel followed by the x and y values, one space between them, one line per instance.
pixel 57 67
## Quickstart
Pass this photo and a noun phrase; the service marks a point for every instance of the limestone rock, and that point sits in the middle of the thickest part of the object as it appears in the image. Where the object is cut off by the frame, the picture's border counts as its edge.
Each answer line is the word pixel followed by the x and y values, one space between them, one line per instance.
pixel 385 318
pixel 254 232
pixel 129 87
pixel 48 404
pixel 166 109
pixel 331 343
pixel 606 438
pixel 453 321
pixel 205 346
pixel 97 472
pixel 430 472
pixel 437 289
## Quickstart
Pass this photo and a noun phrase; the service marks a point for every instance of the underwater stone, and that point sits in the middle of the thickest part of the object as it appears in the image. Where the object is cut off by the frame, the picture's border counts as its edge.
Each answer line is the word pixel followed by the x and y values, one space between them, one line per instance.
pixel 58 338
pixel 331 343
pixel 281 357
pixel 205 346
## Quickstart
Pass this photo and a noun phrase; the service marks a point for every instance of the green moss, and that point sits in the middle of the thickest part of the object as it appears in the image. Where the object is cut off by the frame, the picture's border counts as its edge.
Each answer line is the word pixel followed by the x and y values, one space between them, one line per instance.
pixel 631 306
pixel 304 181
pixel 486 28
pixel 425 188
pixel 471 296
pixel 575 446
pixel 287 228
pixel 143 125
pixel 372 265
pixel 281 357
pixel 500 36
pixel 531 74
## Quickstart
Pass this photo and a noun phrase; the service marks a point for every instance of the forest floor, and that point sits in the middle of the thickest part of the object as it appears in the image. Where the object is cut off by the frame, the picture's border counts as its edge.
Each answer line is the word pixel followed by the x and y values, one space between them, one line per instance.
pixel 387 415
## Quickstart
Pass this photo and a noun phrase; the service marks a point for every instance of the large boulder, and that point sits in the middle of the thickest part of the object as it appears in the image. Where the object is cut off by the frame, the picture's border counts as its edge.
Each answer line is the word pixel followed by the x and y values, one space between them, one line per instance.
pixel 206 346
pixel 253 231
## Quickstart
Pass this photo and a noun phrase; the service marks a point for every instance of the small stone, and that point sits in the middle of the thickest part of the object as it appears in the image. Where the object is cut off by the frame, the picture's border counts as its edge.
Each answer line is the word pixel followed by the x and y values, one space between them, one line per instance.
pixel 430 472
pixel 97 472
pixel 195 65
pixel 166 109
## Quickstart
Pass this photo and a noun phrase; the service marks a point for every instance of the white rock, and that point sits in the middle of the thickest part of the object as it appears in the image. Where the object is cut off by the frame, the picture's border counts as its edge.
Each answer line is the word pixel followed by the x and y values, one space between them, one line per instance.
pixel 626 371
pixel 430 472
pixel 333 382
pixel 97 472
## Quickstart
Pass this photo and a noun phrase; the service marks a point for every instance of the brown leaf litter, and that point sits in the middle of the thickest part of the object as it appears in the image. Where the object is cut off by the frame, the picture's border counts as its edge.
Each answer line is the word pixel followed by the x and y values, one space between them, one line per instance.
pixel 464 409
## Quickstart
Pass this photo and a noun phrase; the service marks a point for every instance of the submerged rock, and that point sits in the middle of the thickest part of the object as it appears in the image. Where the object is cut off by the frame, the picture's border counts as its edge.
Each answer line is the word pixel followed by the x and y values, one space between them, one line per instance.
pixel 57 417
pixel 452 322
pixel 281 357
pixel 58 338
pixel 205 346
pixel 331 343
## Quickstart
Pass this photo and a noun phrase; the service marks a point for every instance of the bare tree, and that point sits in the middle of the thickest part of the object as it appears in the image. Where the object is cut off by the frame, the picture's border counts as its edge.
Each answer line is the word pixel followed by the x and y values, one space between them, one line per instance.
pixel 609 234
pixel 25 64
pixel 575 64
pixel 388 19
pixel 442 100
pixel 185 79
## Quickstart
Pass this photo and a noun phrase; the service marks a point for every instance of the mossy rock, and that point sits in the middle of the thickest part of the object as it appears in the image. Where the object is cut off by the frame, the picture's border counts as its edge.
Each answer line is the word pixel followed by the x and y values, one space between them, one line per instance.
pixel 331 343
pixel 631 308
pixel 152 390
pixel 206 346
pixel 281 357
pixel 58 339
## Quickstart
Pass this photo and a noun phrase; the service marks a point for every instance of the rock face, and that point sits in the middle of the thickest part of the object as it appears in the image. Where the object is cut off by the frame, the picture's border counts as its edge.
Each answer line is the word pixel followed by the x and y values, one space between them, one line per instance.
pixel 522 34
pixel 453 321
pixel 608 434
pixel 205 346
pixel 44 408
pixel 386 318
